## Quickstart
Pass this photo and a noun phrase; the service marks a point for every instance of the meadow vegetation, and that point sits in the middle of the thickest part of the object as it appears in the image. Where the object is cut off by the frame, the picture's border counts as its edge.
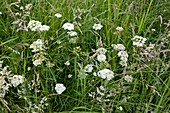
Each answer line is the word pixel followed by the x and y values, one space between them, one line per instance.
pixel 79 56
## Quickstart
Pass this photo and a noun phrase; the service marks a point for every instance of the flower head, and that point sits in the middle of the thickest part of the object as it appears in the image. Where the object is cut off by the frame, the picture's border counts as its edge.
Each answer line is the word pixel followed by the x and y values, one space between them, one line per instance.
pixel 60 88
pixel 68 26
pixel 138 41
pixel 128 78
pixel 97 27
pixel 37 46
pixel 119 28
pixel 72 33
pixel 88 68
pixel 101 57
pixel 16 80
pixel 119 47
pixel 106 74
pixel 58 15
pixel 36 25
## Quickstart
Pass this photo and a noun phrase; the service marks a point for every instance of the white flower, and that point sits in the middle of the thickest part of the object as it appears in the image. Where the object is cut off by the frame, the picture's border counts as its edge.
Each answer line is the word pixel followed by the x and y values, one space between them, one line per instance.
pixel 101 51
pixel 123 57
pixel 120 108
pixel 36 25
pixel 59 88
pixel 0 13
pixel 106 74
pixel 123 63
pixel 37 62
pixel 119 47
pixel 95 74
pixel 123 54
pixel 97 27
pixel 128 78
pixel 68 26
pixel 16 80
pixel 153 30
pixel 88 68
pixel 67 63
pixel 37 46
pixel 72 33
pixel 28 6
pixel 138 41
pixel 119 28
pixel 58 15
pixel 101 58
pixel 70 75
pixel 44 28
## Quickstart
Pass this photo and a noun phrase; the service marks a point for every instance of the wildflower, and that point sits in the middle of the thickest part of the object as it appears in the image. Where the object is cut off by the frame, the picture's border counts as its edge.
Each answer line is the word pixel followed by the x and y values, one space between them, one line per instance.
pixel 120 108
pixel 101 51
pixel 70 75
pixel 5 71
pixel 16 80
pixel 36 25
pixel 123 63
pixel 119 47
pixel 106 74
pixel 119 28
pixel 60 88
pixel 0 13
pixel 37 46
pixel 38 59
pixel 153 30
pixel 128 78
pixel 67 63
pixel 88 68
pixel 68 26
pixel 72 33
pixel 58 15
pixel 123 55
pixel 101 58
pixel 138 41
pixel 94 74
pixel 44 28
pixel 97 27
pixel 28 6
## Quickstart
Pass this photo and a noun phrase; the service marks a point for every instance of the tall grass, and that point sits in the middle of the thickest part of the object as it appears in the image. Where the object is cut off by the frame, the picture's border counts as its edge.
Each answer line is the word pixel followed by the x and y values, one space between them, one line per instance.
pixel 147 92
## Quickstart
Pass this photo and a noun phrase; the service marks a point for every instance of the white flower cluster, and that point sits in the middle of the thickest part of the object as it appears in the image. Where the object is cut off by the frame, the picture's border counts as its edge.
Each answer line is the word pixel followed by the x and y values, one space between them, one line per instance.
pixel 106 74
pixel 70 27
pixel 60 88
pixel 119 28
pixel 118 47
pixel 128 78
pixel 122 53
pixel 58 15
pixel 88 68
pixel 101 57
pixel 38 48
pixel 123 57
pixel 7 79
pixel 138 41
pixel 36 25
pixel 97 27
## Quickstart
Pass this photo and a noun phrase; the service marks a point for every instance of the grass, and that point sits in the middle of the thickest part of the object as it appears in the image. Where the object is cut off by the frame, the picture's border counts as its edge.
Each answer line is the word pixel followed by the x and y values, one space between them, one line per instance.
pixel 147 92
